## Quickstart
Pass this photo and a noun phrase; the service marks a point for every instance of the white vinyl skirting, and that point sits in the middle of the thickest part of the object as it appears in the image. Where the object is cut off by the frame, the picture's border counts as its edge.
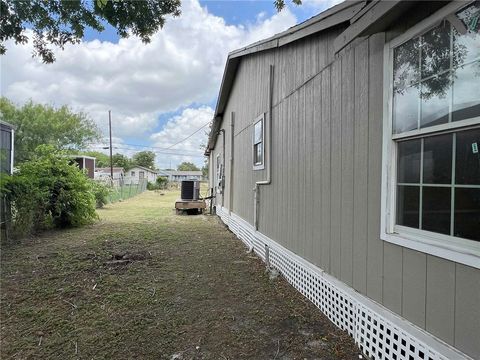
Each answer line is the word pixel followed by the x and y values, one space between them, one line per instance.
pixel 378 332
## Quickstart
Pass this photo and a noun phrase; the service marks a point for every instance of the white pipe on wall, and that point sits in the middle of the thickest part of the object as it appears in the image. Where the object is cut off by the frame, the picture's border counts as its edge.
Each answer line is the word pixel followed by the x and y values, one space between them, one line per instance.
pixel 232 136
pixel 268 179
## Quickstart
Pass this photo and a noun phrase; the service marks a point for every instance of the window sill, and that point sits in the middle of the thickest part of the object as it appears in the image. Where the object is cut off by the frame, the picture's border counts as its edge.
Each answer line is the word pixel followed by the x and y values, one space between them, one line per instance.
pixel 469 256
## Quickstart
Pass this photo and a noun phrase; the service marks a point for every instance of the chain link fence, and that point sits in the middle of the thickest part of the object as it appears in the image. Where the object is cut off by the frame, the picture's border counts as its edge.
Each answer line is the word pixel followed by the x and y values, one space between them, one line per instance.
pixel 126 190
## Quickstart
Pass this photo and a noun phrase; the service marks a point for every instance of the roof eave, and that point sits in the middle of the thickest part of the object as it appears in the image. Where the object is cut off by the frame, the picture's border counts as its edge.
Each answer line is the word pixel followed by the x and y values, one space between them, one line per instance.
pixel 331 17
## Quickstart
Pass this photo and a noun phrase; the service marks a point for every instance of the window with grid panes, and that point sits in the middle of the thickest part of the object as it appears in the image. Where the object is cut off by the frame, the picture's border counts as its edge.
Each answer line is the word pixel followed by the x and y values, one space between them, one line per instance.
pixel 436 129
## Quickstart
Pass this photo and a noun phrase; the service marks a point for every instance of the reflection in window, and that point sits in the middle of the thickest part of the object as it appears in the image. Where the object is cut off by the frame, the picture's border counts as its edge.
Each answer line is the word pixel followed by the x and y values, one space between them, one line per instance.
pixel 258 143
pixel 5 150
pixel 436 76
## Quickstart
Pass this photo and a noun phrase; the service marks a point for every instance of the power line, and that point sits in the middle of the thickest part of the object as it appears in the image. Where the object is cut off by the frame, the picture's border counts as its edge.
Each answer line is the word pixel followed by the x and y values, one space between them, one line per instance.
pixel 151 147
pixel 188 137
pixel 163 150
pixel 155 151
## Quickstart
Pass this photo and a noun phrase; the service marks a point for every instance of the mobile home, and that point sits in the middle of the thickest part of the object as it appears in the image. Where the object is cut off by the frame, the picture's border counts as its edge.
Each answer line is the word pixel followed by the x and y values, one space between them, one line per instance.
pixel 345 152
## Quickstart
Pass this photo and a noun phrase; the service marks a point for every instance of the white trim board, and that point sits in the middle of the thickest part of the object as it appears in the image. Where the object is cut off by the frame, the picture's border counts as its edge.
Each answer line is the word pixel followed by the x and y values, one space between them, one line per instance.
pixel 377 331
pixel 463 251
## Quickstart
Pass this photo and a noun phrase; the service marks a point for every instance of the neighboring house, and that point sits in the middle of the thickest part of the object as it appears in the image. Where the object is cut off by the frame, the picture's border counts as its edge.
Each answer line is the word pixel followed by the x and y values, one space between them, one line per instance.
pixel 183 175
pixel 139 173
pixel 86 162
pixel 359 130
pixel 7 135
pixel 105 174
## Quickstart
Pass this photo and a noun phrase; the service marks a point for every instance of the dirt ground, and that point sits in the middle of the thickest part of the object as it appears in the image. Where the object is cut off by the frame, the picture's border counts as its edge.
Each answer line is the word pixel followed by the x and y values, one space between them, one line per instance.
pixel 144 283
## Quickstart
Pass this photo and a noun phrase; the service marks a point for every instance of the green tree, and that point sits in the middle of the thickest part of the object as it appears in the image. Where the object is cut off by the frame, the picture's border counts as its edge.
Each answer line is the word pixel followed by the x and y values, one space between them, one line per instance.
pixel 43 124
pixel 60 22
pixel 121 160
pixel 187 166
pixel 280 4
pixel 145 159
pixel 205 170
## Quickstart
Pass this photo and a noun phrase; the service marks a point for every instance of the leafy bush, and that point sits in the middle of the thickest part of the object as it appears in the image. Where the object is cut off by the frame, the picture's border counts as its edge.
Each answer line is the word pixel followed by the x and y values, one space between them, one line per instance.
pixel 151 186
pixel 159 184
pixel 162 182
pixel 48 191
pixel 101 192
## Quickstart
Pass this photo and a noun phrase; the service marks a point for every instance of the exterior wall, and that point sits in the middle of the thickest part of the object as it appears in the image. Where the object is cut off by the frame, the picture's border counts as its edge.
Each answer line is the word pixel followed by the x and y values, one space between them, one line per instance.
pixel 324 200
pixel 135 179
pixel 90 166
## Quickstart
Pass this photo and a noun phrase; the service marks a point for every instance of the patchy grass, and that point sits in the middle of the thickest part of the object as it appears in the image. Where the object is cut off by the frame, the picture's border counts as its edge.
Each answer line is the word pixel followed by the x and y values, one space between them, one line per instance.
pixel 186 290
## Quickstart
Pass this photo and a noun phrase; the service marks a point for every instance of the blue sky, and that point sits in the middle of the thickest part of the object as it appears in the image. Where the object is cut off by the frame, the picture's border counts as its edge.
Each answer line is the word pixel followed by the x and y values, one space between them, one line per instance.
pixel 161 92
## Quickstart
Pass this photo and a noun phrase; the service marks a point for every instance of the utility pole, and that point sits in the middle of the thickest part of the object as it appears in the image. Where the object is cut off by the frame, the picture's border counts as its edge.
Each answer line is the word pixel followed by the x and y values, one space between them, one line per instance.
pixel 111 156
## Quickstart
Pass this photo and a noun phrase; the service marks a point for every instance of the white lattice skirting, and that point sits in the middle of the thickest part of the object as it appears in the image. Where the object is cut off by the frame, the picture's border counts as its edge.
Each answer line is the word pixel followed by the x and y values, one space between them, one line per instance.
pixel 378 332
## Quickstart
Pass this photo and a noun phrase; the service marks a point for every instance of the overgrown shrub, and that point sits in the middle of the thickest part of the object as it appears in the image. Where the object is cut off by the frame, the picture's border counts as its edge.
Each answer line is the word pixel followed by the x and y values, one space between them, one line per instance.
pixel 101 192
pixel 48 191
pixel 151 186
pixel 159 184
pixel 162 182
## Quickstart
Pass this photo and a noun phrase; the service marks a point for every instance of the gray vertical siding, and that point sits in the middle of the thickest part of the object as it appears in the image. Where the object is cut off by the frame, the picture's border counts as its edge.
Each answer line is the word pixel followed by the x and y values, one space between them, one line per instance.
pixel 324 199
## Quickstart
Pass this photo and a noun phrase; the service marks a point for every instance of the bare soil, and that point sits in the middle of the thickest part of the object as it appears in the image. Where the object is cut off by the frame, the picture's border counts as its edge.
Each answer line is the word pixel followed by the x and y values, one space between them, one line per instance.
pixel 144 283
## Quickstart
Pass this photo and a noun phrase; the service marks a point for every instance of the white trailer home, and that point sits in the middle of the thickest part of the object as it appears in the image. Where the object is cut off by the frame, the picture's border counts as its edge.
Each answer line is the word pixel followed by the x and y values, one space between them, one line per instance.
pixel 345 151
pixel 138 174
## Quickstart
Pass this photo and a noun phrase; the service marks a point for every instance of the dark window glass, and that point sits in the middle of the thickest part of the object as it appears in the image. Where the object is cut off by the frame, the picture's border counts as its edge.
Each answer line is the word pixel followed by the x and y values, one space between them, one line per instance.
pixel 409 161
pixel 435 100
pixel 408 200
pixel 467 213
pixel 436 209
pixel 435 50
pixel 257 153
pixel 437 159
pixel 467 159
pixel 466 92
pixel 5 151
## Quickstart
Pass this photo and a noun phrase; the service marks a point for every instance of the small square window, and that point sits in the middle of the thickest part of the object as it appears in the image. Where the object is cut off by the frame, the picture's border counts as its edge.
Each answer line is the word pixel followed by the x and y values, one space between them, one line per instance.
pixel 258 144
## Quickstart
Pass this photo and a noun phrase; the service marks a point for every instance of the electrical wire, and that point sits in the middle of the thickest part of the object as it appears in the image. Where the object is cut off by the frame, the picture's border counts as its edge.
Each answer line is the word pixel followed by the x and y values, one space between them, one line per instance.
pixel 155 151
pixel 188 137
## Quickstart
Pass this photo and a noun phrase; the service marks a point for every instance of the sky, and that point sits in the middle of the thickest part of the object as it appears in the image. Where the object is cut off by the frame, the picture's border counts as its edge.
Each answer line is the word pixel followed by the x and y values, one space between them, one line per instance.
pixel 159 93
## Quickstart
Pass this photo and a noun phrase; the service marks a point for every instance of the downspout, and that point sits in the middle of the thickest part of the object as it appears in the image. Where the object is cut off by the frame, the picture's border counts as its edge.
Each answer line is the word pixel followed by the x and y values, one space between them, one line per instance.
pixel 268 180
pixel 222 174
pixel 232 128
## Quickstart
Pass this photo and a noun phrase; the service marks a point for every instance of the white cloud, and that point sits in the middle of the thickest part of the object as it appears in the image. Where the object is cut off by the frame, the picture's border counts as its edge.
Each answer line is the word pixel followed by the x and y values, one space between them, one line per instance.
pixel 180 127
pixel 182 65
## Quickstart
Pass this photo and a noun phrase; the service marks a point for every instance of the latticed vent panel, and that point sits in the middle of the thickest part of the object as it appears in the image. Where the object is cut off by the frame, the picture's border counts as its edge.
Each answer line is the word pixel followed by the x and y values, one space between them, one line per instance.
pixel 377 336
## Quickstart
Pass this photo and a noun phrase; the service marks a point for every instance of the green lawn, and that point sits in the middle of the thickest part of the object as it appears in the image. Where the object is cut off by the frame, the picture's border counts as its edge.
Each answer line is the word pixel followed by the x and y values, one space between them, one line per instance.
pixel 189 290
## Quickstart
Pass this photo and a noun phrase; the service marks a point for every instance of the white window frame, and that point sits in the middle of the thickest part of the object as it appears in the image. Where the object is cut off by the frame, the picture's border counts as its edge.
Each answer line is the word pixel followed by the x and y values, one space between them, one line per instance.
pixel 445 246
pixel 219 174
pixel 259 166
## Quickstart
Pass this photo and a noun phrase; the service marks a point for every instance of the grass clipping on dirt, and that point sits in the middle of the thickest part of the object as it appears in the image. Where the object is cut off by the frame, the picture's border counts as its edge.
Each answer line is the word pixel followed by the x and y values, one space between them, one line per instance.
pixel 145 283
